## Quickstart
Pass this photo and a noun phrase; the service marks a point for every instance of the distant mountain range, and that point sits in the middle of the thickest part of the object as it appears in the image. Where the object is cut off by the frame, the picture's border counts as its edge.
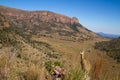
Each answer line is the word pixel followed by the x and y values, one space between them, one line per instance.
pixel 107 35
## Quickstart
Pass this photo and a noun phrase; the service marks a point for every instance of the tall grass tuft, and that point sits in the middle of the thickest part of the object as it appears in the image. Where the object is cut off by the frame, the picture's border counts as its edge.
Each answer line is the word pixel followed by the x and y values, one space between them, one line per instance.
pixel 33 73
pixel 97 69
pixel 75 74
pixel 3 66
pixel 108 77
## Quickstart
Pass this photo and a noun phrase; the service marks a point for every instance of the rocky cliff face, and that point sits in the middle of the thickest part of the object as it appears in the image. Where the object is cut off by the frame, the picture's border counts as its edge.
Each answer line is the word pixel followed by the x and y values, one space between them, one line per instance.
pixel 46 23
pixel 47 16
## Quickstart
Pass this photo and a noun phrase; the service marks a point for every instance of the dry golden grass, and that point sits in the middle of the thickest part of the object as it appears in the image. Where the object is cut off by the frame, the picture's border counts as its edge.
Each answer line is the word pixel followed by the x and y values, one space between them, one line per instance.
pixel 70 55
pixel 97 69
pixel 29 65
pixel 32 73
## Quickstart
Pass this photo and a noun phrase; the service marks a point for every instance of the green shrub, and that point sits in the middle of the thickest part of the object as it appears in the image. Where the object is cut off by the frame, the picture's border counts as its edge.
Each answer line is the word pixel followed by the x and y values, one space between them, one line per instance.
pixel 57 63
pixel 52 55
pixel 49 65
pixel 19 55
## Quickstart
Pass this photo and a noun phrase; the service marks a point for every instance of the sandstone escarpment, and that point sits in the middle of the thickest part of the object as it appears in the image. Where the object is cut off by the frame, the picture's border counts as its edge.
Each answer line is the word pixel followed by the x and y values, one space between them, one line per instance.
pixel 47 24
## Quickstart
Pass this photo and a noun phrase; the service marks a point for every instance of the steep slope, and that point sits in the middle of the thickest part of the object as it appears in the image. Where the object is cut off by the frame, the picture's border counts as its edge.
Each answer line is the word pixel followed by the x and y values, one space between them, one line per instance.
pixel 111 47
pixel 20 57
pixel 3 22
pixel 46 23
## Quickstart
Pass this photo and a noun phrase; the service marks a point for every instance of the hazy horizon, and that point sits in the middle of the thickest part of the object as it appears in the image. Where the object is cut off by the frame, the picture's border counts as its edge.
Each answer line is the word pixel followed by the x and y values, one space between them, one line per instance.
pixel 96 15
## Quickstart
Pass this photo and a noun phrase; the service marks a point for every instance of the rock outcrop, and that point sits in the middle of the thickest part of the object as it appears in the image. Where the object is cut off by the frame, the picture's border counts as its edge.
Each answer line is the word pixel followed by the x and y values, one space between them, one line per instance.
pixel 3 22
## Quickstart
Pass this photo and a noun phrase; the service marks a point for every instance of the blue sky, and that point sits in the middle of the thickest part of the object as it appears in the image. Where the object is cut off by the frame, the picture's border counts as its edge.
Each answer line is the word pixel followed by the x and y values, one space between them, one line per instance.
pixel 96 15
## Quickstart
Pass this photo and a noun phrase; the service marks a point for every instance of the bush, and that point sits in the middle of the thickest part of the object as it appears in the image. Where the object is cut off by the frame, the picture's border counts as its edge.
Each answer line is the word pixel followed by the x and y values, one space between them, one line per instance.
pixel 49 65
pixel 52 55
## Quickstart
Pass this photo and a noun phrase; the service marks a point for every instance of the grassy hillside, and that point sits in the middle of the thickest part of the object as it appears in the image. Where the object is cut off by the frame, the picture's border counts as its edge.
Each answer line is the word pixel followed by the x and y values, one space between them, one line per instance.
pixel 26 57
pixel 47 24
pixel 32 45
pixel 111 47
pixel 22 58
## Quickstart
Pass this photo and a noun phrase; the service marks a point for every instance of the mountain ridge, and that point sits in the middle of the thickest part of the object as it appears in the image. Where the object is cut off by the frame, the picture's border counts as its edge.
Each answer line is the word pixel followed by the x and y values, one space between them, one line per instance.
pixel 108 35
pixel 46 23
pixel 40 12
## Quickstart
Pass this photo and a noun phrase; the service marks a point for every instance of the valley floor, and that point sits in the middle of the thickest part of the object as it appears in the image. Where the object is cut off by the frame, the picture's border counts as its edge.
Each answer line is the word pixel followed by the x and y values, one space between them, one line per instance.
pixel 28 61
pixel 70 51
